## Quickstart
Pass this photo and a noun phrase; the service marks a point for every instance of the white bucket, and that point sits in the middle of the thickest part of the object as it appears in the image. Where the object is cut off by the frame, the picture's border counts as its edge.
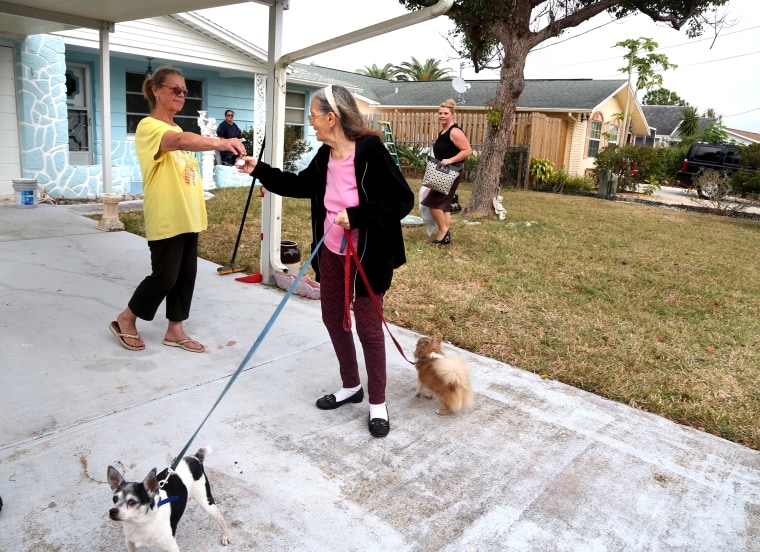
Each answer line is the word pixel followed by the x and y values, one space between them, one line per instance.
pixel 25 190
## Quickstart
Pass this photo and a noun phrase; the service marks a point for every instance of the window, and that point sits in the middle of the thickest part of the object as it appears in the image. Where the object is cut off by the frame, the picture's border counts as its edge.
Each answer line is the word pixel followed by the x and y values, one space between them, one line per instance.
pixel 295 112
pixel 708 154
pixel 612 132
pixel 137 105
pixel 594 137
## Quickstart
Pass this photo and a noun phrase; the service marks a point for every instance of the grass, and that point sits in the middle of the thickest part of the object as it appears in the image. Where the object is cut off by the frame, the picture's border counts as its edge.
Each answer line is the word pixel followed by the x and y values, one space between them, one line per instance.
pixel 651 307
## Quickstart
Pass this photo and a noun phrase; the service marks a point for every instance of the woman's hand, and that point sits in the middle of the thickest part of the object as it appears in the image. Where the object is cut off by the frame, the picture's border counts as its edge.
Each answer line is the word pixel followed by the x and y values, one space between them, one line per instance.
pixel 231 144
pixel 245 164
pixel 342 220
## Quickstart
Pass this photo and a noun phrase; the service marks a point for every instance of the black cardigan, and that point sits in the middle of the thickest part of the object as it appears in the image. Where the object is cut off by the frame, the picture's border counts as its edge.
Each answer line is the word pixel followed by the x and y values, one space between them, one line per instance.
pixel 384 199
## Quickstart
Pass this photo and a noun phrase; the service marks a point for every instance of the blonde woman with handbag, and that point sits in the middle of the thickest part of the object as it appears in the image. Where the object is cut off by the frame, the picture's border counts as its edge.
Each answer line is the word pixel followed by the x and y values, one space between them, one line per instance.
pixel 451 148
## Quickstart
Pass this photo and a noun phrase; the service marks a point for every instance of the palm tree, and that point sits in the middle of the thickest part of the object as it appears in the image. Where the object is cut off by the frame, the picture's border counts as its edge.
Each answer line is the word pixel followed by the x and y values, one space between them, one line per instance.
pixel 387 72
pixel 429 71
pixel 689 125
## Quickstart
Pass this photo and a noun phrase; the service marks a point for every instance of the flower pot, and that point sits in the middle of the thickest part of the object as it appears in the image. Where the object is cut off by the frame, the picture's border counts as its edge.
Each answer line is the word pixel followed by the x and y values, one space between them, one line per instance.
pixel 290 256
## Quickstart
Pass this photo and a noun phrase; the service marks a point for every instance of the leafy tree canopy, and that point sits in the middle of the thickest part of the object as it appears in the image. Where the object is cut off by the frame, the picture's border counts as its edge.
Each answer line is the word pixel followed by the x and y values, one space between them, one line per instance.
pixel 663 96
pixel 501 33
pixel 714 133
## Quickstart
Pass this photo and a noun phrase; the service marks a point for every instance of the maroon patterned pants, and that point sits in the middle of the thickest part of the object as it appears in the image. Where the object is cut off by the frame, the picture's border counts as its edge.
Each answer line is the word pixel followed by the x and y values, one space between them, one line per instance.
pixel 369 325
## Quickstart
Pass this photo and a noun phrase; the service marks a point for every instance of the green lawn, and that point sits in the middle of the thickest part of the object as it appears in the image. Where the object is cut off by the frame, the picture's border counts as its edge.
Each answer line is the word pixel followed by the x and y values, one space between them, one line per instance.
pixel 652 307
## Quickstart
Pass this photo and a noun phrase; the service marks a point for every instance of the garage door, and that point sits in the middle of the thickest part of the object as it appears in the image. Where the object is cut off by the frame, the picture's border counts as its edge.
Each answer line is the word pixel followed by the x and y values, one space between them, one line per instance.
pixel 9 154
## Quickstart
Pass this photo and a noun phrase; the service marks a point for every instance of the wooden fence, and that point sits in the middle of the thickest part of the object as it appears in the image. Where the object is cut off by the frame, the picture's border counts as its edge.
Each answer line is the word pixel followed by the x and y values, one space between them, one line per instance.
pixel 546 136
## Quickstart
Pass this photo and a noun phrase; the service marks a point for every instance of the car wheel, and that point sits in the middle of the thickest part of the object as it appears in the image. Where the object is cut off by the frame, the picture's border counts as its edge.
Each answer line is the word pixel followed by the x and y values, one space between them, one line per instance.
pixel 707 191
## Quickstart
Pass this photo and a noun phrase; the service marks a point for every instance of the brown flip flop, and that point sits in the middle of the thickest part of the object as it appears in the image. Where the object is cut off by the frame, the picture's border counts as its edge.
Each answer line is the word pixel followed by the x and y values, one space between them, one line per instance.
pixel 182 344
pixel 116 330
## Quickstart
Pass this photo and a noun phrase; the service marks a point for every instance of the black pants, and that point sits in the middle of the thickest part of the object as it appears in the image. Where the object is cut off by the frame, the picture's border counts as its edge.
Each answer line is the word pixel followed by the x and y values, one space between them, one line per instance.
pixel 174 262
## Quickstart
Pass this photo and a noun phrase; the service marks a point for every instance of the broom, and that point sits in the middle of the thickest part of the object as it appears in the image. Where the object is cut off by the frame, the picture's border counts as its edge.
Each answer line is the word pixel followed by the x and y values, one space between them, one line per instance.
pixel 232 267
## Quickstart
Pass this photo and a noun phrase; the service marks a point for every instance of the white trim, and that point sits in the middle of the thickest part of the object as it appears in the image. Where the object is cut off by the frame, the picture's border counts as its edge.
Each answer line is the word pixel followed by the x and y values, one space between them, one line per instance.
pixel 174 39
pixel 10 164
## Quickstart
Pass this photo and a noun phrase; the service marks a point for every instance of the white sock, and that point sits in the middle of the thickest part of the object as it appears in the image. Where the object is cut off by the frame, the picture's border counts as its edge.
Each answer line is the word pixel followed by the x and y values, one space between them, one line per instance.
pixel 344 392
pixel 378 411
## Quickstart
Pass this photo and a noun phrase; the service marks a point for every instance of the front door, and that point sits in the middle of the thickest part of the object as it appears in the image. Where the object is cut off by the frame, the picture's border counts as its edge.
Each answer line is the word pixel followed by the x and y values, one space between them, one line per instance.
pixel 78 104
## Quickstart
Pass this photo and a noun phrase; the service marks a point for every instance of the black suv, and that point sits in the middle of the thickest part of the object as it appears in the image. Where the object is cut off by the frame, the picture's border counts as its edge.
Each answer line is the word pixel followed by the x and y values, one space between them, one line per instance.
pixel 723 158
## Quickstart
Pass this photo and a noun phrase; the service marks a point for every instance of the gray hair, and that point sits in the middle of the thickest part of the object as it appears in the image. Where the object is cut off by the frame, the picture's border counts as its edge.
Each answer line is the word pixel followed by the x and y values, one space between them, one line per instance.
pixel 350 118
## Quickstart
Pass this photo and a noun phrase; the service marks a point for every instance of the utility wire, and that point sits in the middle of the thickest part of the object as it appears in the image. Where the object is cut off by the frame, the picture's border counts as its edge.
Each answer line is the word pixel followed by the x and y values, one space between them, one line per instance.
pixel 618 57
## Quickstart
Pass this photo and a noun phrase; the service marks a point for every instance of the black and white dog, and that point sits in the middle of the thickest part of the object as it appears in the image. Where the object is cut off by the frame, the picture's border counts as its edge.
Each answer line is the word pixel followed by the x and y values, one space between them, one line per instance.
pixel 150 512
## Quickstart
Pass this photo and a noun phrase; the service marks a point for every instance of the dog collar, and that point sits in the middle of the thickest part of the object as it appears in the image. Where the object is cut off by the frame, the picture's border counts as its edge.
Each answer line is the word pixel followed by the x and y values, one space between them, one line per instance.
pixel 167 500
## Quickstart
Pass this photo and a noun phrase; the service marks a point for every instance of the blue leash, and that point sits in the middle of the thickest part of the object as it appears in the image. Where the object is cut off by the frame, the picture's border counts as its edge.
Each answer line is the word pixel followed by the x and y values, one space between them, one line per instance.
pixel 255 346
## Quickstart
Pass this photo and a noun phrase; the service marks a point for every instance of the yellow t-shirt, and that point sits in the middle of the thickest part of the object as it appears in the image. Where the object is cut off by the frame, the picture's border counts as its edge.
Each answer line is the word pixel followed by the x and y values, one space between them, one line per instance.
pixel 174 202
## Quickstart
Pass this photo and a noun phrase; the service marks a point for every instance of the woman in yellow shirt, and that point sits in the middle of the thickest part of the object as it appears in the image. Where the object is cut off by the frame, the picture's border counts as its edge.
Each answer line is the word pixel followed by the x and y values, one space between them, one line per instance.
pixel 174 210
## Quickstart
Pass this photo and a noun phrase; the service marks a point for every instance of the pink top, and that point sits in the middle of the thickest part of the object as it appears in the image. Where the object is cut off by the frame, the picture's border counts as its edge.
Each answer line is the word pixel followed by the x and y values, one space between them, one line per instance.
pixel 341 192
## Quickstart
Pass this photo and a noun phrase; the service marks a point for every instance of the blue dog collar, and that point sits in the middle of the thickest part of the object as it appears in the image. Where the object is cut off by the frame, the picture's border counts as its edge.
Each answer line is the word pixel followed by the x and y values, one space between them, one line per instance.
pixel 167 500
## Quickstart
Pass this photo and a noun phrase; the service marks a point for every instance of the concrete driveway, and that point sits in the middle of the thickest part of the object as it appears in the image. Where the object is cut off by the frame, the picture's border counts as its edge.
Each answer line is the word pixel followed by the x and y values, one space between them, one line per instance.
pixel 534 465
pixel 672 195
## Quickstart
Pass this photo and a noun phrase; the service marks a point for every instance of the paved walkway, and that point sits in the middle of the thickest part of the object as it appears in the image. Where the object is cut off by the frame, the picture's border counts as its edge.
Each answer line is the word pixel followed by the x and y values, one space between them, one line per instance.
pixel 534 466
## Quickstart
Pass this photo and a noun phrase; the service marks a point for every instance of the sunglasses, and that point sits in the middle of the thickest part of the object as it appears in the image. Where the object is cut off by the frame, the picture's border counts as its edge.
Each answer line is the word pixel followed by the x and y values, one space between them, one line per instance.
pixel 176 90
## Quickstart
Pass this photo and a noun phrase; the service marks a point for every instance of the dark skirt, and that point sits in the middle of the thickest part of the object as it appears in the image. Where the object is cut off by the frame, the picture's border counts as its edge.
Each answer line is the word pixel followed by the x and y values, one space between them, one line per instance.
pixel 437 200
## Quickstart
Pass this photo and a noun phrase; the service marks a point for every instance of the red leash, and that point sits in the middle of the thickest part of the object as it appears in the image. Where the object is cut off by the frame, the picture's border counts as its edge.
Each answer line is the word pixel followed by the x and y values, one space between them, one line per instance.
pixel 351 252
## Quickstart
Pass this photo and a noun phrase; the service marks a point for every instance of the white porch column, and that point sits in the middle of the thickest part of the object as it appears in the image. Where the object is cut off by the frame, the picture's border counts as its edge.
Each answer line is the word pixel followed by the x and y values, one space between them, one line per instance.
pixel 271 209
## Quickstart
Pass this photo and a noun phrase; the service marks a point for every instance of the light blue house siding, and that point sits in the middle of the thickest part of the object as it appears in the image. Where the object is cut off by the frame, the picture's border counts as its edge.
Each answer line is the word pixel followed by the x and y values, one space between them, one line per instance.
pixel 43 119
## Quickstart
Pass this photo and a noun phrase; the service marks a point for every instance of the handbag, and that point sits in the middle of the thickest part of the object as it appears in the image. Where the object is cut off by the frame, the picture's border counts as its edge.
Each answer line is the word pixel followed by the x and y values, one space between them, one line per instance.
pixel 439 178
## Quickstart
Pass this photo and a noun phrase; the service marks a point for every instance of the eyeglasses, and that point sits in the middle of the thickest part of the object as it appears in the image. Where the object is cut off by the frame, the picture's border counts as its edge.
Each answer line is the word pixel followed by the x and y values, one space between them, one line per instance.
pixel 176 90
pixel 312 117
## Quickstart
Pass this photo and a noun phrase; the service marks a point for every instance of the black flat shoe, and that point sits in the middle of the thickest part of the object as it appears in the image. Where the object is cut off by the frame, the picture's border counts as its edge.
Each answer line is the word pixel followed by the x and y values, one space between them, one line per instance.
pixel 446 240
pixel 379 427
pixel 328 402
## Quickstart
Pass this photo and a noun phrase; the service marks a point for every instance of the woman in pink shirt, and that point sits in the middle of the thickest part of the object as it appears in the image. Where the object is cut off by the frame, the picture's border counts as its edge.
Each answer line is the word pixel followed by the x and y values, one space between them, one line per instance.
pixel 354 183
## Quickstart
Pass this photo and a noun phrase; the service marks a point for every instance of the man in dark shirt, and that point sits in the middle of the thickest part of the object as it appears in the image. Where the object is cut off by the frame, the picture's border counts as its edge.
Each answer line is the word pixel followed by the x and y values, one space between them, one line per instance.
pixel 228 129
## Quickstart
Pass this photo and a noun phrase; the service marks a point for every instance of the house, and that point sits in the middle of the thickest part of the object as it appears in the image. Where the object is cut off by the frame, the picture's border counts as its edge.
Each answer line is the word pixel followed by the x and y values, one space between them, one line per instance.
pixel 56 62
pixel 742 136
pixel 663 123
pixel 586 111
pixel 60 116
pixel 59 103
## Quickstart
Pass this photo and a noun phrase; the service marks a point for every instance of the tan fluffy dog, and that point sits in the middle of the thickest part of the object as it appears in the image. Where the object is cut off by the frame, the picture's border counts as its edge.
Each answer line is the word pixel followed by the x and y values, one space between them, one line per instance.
pixel 446 376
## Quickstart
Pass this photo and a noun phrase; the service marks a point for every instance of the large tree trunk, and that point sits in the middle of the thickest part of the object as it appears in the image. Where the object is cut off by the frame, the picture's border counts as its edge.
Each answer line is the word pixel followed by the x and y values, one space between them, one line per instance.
pixel 486 186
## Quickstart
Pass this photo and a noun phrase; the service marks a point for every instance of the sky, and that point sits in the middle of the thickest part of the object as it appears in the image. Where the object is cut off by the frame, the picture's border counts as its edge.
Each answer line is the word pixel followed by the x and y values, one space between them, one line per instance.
pixel 719 73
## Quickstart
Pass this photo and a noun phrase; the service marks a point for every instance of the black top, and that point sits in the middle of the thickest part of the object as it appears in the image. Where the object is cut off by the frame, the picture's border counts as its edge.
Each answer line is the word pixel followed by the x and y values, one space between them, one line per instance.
pixel 228 130
pixel 444 148
pixel 384 199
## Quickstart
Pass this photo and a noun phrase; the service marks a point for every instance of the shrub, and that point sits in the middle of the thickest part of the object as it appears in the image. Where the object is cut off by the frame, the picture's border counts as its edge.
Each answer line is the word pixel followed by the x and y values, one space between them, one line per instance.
pixel 743 181
pixel 716 187
pixel 560 181
pixel 636 165
pixel 540 171
pixel 247 137
pixel 412 160
pixel 294 147
pixel 614 158
pixel 670 160
pixel 470 167
pixel 294 150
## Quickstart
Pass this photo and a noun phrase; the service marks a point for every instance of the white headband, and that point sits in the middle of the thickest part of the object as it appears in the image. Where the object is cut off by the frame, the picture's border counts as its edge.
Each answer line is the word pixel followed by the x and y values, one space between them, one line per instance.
pixel 331 100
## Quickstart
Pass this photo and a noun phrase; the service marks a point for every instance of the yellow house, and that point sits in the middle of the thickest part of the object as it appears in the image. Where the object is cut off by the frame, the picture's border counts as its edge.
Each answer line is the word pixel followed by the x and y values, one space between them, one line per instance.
pixel 566 120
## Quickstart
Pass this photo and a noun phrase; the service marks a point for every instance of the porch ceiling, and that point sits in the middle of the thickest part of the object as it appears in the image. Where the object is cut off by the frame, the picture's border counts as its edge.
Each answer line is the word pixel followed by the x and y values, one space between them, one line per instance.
pixel 20 18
